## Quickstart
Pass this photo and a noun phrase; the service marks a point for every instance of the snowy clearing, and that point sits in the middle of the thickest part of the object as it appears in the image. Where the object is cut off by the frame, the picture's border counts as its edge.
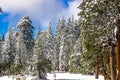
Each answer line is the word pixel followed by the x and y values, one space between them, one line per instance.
pixel 70 76
pixel 61 76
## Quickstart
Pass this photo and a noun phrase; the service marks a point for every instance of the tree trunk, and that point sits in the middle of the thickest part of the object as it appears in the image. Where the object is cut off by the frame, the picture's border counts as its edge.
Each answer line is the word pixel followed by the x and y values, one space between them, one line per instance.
pixel 103 68
pixel 97 68
pixel 118 49
pixel 39 73
pixel 9 68
pixel 39 70
pixel 0 70
pixel 58 64
pixel 113 62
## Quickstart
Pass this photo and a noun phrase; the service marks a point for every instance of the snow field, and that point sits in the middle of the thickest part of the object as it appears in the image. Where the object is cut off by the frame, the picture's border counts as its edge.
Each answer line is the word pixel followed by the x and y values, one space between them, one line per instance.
pixel 53 76
pixel 70 76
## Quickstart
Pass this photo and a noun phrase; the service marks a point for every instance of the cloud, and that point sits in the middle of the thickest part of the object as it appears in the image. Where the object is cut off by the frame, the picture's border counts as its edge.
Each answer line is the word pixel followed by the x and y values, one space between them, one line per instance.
pixel 40 11
pixel 72 9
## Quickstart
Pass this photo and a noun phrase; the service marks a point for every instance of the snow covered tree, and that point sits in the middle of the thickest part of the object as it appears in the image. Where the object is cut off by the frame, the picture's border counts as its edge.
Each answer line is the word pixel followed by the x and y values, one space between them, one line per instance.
pixel 73 32
pixel 73 29
pixel 38 32
pixel 1 59
pixel 1 41
pixel 61 26
pixel 25 27
pixel 44 59
pixel 75 61
pixel 9 50
pixel 1 55
pixel 63 53
pixel 51 47
pixel 37 57
pixel 50 28
pixel 41 60
pixel 21 57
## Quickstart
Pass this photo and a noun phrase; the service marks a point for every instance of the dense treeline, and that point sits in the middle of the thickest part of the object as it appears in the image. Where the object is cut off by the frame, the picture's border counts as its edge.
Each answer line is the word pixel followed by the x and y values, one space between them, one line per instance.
pixel 22 54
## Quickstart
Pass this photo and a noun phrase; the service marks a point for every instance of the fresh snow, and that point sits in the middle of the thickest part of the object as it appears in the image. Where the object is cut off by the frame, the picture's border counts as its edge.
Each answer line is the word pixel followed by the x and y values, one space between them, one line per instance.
pixel 64 76
pixel 14 77
pixel 71 76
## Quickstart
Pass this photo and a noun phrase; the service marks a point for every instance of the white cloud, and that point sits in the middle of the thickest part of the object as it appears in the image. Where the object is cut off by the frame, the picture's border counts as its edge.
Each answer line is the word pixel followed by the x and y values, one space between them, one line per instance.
pixel 41 11
pixel 72 10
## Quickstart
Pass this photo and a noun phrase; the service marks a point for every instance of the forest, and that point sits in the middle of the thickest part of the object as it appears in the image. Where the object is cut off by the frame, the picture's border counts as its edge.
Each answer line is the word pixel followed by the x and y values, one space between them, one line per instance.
pixel 90 45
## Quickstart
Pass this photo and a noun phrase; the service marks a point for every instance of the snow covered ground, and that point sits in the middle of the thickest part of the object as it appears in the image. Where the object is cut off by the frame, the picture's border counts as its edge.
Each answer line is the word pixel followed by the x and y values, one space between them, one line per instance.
pixel 70 76
pixel 61 76
pixel 14 78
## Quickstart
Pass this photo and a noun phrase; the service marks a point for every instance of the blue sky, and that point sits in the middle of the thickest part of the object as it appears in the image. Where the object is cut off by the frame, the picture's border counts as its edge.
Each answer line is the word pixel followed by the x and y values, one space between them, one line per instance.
pixel 41 12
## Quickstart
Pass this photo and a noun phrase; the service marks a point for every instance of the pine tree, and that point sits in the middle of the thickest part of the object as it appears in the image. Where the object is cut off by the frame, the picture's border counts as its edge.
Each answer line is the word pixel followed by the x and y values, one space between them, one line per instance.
pixel 38 32
pixel 1 41
pixel 1 59
pixel 75 61
pixel 1 55
pixel 9 50
pixel 38 57
pixel 98 19
pixel 63 54
pixel 50 28
pixel 61 27
pixel 44 53
pixel 21 57
pixel 51 46
pixel 25 27
pixel 73 32
pixel 73 29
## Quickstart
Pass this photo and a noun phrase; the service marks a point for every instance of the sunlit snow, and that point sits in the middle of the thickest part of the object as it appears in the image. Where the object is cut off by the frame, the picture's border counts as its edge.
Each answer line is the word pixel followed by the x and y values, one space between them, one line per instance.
pixel 61 76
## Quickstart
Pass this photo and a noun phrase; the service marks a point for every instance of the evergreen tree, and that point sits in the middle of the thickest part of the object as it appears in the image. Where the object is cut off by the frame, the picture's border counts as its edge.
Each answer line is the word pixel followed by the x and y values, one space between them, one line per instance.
pixel 51 47
pixel 61 27
pixel 1 41
pixel 1 58
pixel 9 50
pixel 98 19
pixel 1 55
pixel 25 30
pixel 75 61
pixel 38 32
pixel 21 57
pixel 73 32
pixel 63 54
pixel 44 54
pixel 50 28
pixel 25 27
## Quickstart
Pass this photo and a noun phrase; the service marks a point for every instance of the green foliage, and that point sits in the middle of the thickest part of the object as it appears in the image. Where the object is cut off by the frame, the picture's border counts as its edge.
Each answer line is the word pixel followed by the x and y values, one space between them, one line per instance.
pixel 96 21
pixel 17 69
pixel 75 64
